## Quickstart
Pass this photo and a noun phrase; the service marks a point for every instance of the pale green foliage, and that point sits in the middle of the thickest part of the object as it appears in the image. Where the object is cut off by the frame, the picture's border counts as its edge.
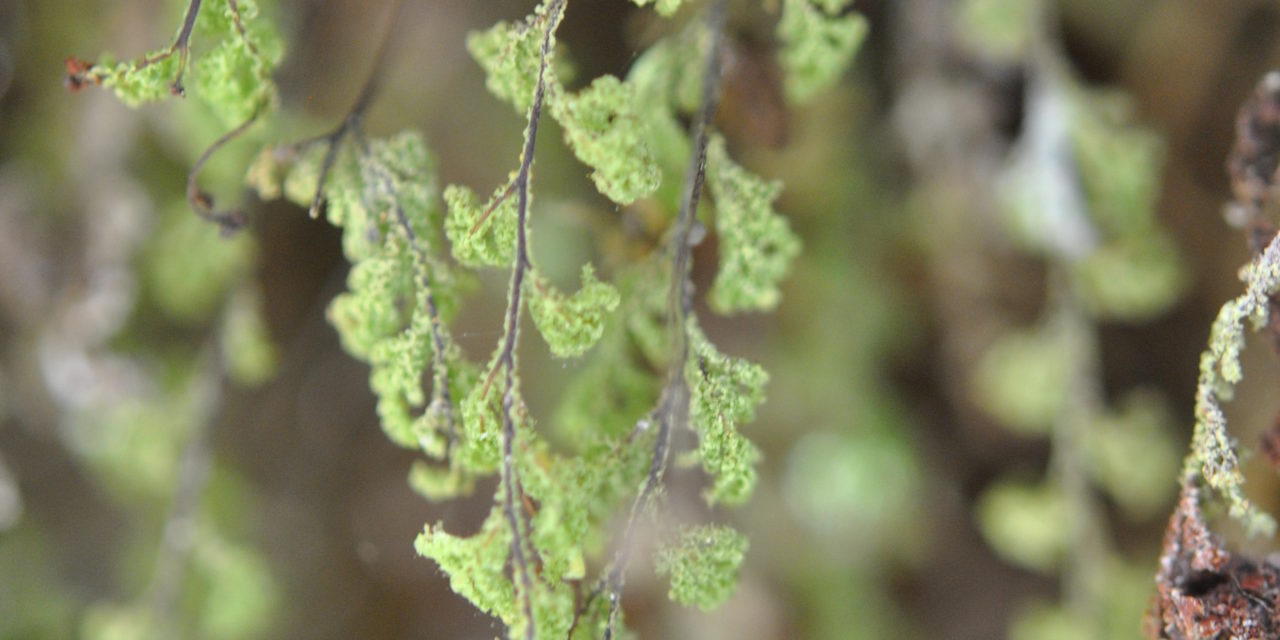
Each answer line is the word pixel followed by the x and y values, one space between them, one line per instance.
pixel 600 122
pixel 617 386
pixel 236 598
pixel 630 134
pixel 570 324
pixel 1026 524
pixel 1131 278
pixel 1131 454
pixel 602 127
pixel 475 564
pixel 135 83
pixel 437 484
pixel 510 53
pixel 756 244
pixel 1213 454
pixel 241 594
pixel 482 426
pixel 817 45
pixel 664 7
pixel 577 496
pixel 1126 590
pixel 724 393
pixel 480 236
pixel 188 268
pixel 1043 621
pixel 245 343
pixel 702 565
pixel 848 486
pixel 666 78
pixel 383 317
pixel 232 77
pixel 1135 273
pixel 999 29
pixel 117 622
pixel 561 524
pixel 1022 379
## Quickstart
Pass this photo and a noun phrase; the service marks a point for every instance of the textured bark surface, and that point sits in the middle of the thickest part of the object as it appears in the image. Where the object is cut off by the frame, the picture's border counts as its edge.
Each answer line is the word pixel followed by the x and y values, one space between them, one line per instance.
pixel 1205 591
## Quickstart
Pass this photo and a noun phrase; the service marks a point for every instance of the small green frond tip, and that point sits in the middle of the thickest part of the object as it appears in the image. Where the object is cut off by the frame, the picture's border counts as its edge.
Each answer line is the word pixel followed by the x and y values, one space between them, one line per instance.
pixel 511 54
pixel 571 324
pixel 756 244
pixel 603 129
pixel 475 564
pixel 480 236
pixel 818 44
pixel 703 565
pixel 724 394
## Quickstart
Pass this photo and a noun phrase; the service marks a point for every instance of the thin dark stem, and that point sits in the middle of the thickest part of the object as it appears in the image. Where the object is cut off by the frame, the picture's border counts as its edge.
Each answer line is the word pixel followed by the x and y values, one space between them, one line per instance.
pixel 239 23
pixel 355 116
pixel 182 44
pixel 201 202
pixel 673 405
pixel 80 72
pixel 507 355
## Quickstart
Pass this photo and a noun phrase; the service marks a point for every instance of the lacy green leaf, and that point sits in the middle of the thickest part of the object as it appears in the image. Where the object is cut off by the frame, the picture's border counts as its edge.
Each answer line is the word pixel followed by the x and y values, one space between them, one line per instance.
pixel 604 131
pixel 511 53
pixel 232 76
pixel 481 446
pixel 702 565
pixel 476 565
pixel 480 236
pixel 570 324
pixel 383 198
pixel 136 84
pixel 667 80
pixel 818 44
pixel 724 394
pixel 756 244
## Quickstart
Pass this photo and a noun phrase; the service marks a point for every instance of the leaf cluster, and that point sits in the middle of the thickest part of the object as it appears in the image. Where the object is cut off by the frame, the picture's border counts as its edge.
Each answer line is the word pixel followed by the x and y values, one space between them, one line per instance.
pixel 530 563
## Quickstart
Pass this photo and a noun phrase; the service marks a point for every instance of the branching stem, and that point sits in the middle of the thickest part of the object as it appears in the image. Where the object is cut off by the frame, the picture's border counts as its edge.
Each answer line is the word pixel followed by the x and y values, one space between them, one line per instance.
pixel 673 404
pixel 201 202
pixel 80 72
pixel 507 355
pixel 355 116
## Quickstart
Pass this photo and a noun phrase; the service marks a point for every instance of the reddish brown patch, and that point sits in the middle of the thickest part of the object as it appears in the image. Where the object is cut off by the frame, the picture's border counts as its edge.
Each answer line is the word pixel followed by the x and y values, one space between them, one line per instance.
pixel 78 74
pixel 1203 591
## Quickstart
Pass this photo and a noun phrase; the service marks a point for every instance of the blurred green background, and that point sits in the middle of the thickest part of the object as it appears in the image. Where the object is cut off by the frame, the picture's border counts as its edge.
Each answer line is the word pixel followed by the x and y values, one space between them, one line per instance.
pixel 916 482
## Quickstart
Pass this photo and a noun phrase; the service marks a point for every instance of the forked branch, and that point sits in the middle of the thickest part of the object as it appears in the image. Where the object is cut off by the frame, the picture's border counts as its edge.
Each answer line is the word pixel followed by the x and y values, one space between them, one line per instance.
pixel 673 403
